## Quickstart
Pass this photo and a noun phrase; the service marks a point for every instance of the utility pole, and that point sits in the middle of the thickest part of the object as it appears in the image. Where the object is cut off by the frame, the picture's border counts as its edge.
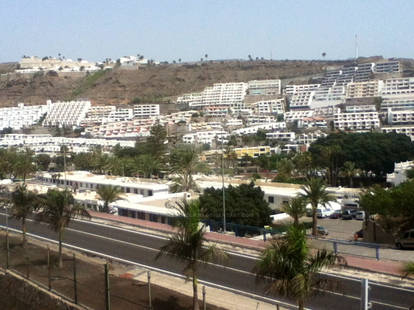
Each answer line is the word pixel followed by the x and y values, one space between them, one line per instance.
pixel 222 186
pixel 365 304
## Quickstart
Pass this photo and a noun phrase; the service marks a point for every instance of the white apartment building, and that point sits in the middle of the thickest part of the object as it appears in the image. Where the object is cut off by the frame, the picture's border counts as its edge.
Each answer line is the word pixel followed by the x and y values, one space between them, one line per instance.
pixel 285 136
pixel 387 67
pixel 35 64
pixel 264 87
pixel 191 99
pixel 310 137
pixel 98 114
pixel 407 130
pixel 21 116
pixel 364 89
pixel 125 129
pixel 146 110
pixel 400 117
pixel 301 100
pixel 254 129
pixel 227 94
pixel 326 111
pixel 220 94
pixel 216 111
pixel 46 144
pixel 259 119
pixel 205 137
pixel 293 116
pixel 121 114
pixel 398 102
pixel 274 106
pixel 360 108
pixel 312 122
pixel 398 86
pixel 234 122
pixel 357 121
pixel 297 88
pixel 334 93
pixel 67 113
pixel 400 173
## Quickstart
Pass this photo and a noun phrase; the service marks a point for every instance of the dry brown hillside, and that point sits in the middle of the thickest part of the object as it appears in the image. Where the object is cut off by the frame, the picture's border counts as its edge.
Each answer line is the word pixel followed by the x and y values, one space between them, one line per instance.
pixel 151 84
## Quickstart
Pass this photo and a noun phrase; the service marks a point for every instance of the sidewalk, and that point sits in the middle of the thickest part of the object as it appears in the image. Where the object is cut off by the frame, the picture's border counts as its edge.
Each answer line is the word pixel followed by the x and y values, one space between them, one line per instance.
pixel 357 262
pixel 214 296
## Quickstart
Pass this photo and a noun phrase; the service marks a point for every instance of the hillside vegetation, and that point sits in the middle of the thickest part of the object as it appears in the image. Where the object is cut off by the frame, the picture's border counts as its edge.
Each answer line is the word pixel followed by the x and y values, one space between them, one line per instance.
pixel 150 84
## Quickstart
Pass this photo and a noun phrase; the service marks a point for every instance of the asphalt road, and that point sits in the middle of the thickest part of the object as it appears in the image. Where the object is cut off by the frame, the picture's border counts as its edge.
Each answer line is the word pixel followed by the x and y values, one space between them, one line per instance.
pixel 235 273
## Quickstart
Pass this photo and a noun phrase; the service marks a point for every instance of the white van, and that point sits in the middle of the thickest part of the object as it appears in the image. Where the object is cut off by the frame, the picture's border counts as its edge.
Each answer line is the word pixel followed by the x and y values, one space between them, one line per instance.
pixel 324 212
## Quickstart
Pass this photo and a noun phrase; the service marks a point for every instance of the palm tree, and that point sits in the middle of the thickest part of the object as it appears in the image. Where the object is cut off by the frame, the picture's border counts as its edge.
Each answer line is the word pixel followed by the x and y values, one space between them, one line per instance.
pixel 188 243
pixel 288 268
pixel 58 208
pixel 314 192
pixel 349 171
pixel 184 162
pixel 147 165
pixel 296 208
pixel 23 202
pixel 23 165
pixel 108 194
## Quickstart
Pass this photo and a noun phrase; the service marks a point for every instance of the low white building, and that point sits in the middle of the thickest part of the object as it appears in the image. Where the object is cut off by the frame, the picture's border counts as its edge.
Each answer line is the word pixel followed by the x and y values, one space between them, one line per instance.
pixel 285 136
pixel 400 173
pixel 205 137
pixel 273 106
pixel 254 129
pixel 407 130
pixel 400 117
pixel 264 87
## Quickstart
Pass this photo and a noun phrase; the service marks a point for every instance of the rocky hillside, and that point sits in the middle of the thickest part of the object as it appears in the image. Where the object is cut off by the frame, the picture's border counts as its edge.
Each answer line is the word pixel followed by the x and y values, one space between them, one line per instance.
pixel 151 84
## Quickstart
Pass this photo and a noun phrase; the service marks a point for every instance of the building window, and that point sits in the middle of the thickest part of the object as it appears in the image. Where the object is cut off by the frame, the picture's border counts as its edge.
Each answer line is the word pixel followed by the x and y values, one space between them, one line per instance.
pixel 153 217
pixel 271 199
pixel 128 190
pixel 149 192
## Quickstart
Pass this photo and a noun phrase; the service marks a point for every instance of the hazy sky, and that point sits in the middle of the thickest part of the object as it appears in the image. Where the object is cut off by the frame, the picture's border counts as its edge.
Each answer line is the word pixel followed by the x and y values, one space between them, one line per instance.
pixel 170 29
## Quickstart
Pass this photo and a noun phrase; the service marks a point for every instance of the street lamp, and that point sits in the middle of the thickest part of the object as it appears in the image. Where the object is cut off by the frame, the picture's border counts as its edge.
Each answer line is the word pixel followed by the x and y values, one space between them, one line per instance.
pixel 222 186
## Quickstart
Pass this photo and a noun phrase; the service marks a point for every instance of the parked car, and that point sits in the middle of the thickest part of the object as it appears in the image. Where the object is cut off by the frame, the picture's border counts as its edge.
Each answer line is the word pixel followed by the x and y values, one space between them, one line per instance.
pixel 336 215
pixel 360 215
pixel 406 241
pixel 347 215
pixel 322 231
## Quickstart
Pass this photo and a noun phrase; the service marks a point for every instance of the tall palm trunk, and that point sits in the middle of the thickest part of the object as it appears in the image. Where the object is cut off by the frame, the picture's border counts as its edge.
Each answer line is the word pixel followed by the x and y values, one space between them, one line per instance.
pixel 24 229
pixel 301 304
pixel 60 247
pixel 196 306
pixel 351 182
pixel 314 221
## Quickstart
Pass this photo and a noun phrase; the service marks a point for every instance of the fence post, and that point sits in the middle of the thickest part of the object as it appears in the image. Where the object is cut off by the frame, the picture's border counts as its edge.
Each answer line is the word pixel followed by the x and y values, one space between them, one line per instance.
pixel 149 290
pixel 27 267
pixel 107 292
pixel 204 298
pixel 75 282
pixel 277 307
pixel 7 250
pixel 335 246
pixel 49 270
pixel 377 256
pixel 264 234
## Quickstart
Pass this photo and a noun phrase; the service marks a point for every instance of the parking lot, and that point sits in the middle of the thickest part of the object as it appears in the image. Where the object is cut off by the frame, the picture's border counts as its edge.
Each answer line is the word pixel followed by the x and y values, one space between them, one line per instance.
pixel 340 229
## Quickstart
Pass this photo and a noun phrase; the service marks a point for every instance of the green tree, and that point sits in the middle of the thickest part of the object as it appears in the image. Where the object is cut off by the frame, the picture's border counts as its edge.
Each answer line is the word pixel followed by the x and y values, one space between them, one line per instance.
pixel 245 205
pixel 289 269
pixel 314 192
pixel 23 165
pixel 43 161
pixel 58 208
pixel 296 208
pixel 156 142
pixel 147 165
pixel 349 171
pixel 394 207
pixel 108 194
pixel 23 203
pixel 184 162
pixel 188 244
